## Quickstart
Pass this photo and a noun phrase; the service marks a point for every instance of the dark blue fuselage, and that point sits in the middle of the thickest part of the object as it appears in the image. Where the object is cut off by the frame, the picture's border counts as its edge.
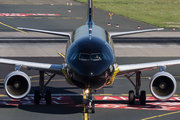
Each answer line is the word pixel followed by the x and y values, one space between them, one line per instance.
pixel 90 57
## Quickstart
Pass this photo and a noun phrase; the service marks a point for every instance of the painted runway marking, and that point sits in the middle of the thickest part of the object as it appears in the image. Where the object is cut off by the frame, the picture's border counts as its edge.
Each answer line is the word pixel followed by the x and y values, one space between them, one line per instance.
pixel 62 100
pixel 62 55
pixel 151 104
pixel 12 27
pixel 56 17
pixel 26 14
pixel 110 14
pixel 177 97
pixel 2 81
pixel 21 4
pixel 55 80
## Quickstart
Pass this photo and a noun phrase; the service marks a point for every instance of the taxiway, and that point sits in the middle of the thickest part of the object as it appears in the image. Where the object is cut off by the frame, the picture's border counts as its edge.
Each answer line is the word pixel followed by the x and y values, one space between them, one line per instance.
pixel 127 52
pixel 114 105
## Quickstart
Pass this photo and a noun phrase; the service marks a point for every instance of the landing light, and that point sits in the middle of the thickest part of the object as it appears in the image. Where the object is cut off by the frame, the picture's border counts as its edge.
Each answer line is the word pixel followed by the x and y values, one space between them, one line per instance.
pixel 86 91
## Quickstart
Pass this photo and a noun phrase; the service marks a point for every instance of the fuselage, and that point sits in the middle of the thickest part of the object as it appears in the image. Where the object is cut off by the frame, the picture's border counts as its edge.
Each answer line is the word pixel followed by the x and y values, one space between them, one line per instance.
pixel 90 57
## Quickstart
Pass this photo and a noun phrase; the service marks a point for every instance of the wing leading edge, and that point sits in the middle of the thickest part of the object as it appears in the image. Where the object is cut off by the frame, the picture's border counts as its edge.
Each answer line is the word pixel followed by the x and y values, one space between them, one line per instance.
pixel 46 31
pixel 134 32
pixel 125 69
pixel 53 68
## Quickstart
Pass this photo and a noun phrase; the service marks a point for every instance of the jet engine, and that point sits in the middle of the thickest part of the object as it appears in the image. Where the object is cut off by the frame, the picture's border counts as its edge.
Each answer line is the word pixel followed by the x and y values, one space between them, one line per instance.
pixel 163 85
pixel 17 84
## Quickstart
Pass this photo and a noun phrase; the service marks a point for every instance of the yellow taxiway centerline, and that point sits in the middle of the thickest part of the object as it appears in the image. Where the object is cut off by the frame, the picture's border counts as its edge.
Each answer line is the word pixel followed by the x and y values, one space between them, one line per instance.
pixel 85 115
pixel 162 115
pixel 12 28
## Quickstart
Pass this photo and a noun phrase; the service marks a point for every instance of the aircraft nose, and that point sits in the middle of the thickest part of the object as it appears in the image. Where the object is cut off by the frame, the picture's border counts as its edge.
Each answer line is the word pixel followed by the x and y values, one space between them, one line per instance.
pixel 91 68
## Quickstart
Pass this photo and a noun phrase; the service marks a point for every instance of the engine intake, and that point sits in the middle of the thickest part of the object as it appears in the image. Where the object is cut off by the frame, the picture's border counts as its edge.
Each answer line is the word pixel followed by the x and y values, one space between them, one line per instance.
pixel 163 85
pixel 17 84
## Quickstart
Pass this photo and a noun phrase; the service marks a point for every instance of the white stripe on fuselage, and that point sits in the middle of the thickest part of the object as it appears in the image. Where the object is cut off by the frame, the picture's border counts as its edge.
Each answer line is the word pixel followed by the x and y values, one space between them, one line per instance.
pixel 90 3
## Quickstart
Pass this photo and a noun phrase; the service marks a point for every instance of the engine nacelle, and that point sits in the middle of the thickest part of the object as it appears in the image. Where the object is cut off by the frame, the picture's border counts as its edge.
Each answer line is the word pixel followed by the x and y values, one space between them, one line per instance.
pixel 163 85
pixel 17 84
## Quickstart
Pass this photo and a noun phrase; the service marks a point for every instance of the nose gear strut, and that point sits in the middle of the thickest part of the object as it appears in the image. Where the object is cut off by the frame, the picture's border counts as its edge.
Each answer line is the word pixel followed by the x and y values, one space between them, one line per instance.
pixel 89 105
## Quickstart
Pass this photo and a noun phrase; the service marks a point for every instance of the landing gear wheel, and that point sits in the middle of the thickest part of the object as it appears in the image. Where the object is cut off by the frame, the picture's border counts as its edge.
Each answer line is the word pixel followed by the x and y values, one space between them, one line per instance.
pixel 93 108
pixel 142 98
pixel 86 108
pixel 48 97
pixel 131 97
pixel 37 97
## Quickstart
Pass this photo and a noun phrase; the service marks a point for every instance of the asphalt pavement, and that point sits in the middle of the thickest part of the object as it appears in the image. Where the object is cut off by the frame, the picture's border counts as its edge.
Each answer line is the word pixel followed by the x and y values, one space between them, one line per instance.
pixel 37 16
pixel 39 47
pixel 111 101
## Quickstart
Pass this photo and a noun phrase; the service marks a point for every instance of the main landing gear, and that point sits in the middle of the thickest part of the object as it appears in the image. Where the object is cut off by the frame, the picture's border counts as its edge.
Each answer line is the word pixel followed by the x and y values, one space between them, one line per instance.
pixel 132 96
pixel 47 96
pixel 89 105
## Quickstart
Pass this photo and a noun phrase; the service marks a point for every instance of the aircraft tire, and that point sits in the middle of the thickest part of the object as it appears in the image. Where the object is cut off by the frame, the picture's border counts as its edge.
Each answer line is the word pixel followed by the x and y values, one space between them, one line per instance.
pixel 131 97
pixel 93 108
pixel 37 97
pixel 143 98
pixel 48 97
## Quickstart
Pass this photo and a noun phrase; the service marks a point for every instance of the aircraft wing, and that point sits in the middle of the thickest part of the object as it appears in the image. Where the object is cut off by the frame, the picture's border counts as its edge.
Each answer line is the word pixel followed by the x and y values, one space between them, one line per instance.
pixel 53 68
pixel 45 31
pixel 134 32
pixel 125 69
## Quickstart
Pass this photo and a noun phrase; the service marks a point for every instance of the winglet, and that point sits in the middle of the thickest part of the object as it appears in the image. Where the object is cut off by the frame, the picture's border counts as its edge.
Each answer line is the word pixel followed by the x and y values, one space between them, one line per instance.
pixel 161 29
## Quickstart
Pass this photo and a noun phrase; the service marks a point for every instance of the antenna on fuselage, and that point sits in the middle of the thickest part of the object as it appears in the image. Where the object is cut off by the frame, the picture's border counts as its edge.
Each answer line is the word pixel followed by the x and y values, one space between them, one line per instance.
pixel 90 31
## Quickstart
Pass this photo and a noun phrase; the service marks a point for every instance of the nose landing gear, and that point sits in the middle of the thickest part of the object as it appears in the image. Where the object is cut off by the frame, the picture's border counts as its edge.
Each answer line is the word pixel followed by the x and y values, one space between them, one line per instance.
pixel 89 105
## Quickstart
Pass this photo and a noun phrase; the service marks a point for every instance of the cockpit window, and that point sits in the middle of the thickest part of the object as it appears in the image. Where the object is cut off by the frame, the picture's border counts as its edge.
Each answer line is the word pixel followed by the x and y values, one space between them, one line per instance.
pixel 105 56
pixel 96 56
pixel 92 56
pixel 74 56
pixel 84 56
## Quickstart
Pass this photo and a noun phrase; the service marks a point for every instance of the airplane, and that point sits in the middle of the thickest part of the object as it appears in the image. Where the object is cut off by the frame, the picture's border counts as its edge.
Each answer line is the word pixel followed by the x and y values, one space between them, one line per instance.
pixel 90 64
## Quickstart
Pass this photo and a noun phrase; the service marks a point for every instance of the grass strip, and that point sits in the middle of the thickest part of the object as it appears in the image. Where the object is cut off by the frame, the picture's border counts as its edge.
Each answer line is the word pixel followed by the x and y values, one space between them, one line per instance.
pixel 161 13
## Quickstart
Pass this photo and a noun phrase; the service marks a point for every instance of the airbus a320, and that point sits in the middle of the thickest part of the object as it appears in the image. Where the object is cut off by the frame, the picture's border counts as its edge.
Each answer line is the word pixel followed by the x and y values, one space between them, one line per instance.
pixel 90 64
